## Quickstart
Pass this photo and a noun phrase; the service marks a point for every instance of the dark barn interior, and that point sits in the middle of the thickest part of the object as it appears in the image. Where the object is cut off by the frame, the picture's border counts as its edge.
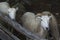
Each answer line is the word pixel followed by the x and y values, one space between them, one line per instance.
pixel 34 6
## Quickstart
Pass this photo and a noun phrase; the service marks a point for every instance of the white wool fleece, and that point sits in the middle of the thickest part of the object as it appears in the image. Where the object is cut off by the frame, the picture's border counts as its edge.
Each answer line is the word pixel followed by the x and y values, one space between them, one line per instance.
pixel 12 13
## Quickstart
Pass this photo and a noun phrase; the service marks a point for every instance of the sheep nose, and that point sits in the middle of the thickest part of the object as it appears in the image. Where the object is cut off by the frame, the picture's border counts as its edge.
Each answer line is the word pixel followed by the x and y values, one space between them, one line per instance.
pixel 47 28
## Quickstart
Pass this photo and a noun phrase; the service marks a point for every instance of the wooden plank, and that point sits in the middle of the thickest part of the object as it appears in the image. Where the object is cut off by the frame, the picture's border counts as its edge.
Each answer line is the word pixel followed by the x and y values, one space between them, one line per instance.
pixel 4 36
pixel 8 33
